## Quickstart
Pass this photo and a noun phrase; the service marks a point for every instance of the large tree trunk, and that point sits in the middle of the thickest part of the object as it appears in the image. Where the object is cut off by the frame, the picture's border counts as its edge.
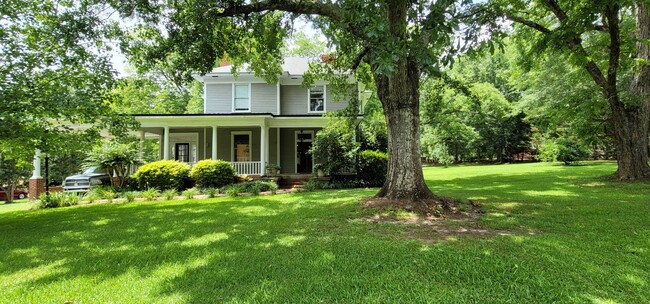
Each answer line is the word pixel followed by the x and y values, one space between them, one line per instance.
pixel 631 122
pixel 400 98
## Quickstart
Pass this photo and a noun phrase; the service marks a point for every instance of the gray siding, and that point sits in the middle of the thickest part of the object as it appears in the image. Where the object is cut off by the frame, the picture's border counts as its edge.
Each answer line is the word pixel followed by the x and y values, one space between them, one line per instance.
pixel 224 151
pixel 288 149
pixel 264 98
pixel 293 100
pixel 334 104
pixel 273 146
pixel 218 98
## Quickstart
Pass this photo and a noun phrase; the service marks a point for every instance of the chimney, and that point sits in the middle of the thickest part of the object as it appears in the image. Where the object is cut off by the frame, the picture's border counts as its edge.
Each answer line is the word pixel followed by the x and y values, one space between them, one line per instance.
pixel 224 61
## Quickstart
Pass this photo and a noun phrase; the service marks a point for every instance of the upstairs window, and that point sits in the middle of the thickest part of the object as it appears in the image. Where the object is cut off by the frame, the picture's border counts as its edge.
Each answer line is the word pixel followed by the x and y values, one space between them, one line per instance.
pixel 317 99
pixel 242 98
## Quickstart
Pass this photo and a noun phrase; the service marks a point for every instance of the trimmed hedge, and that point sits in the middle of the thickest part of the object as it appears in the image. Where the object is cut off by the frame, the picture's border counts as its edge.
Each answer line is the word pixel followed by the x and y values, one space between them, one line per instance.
pixel 373 166
pixel 213 173
pixel 162 175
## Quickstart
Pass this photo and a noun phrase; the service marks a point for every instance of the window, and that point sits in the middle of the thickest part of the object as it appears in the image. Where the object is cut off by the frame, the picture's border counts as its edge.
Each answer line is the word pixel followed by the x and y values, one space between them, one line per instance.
pixel 241 146
pixel 183 152
pixel 317 99
pixel 241 96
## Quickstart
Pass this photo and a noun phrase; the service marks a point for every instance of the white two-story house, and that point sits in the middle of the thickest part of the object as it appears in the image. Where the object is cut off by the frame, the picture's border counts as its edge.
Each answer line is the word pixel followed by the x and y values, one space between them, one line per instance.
pixel 249 122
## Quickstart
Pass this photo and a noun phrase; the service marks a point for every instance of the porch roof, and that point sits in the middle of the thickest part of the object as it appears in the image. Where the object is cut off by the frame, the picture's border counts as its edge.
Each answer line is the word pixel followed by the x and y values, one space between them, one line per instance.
pixel 230 120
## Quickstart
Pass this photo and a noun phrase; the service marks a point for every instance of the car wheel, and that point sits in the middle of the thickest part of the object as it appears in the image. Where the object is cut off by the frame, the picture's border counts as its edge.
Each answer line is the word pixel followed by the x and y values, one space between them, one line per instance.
pixel 21 196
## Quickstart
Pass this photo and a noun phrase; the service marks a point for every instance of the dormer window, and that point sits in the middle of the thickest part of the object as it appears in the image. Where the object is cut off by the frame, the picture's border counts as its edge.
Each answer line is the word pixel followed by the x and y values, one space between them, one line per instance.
pixel 317 99
pixel 242 97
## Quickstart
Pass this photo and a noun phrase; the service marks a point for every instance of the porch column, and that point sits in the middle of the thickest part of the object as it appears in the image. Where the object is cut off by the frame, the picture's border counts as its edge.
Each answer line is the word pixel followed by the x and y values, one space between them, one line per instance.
pixel 264 148
pixel 37 164
pixel 166 144
pixel 214 142
pixel 36 182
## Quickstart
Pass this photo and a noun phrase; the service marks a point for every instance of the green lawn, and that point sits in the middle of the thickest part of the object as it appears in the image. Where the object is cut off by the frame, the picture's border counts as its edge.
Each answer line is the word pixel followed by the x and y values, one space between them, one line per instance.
pixel 578 238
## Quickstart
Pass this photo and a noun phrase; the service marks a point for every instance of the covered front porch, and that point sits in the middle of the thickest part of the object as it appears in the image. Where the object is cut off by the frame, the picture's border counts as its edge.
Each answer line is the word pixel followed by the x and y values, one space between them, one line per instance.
pixel 249 142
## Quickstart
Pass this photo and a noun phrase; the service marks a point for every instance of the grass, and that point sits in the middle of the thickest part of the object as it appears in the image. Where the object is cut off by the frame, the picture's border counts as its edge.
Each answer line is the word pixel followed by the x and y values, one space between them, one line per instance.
pixel 589 242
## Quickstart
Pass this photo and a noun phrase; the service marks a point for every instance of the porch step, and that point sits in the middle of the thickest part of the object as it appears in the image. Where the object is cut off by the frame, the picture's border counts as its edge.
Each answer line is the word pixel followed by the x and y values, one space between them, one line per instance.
pixel 293 182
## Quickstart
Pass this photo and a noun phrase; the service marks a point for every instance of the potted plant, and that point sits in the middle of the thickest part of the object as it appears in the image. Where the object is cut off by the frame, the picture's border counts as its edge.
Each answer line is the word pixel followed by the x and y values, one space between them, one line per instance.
pixel 319 170
pixel 272 169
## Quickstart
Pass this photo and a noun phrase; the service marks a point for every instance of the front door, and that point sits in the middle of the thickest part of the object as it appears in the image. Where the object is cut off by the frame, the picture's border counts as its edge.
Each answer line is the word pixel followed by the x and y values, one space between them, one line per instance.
pixel 304 162
pixel 183 152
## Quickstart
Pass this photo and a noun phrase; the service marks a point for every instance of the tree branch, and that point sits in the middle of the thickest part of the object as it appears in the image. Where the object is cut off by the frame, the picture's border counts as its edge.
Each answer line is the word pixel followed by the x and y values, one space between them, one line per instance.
pixel 611 13
pixel 529 23
pixel 557 10
pixel 357 61
pixel 297 7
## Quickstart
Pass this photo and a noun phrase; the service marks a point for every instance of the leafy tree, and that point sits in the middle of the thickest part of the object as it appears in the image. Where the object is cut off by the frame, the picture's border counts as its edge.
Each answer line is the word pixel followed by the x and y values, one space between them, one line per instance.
pixel 119 159
pixel 598 36
pixel 195 102
pixel 335 147
pixel 373 130
pixel 398 41
pixel 55 72
pixel 151 94
pixel 303 45
pixel 12 171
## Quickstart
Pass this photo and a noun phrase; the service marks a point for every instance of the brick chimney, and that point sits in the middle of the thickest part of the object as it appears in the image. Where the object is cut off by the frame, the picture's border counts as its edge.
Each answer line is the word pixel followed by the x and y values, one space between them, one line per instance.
pixel 224 61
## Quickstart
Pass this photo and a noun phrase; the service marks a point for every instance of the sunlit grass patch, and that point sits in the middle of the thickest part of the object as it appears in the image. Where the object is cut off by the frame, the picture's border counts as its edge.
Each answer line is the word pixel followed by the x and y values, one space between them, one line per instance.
pixel 565 243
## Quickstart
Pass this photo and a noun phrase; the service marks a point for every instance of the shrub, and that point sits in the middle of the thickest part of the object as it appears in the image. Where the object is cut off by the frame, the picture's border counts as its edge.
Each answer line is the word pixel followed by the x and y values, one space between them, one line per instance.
pixel 373 166
pixel 190 193
pixel 129 196
pixel 163 174
pixel 150 194
pixel 117 158
pixel 254 187
pixel 169 194
pixel 335 147
pixel 565 150
pixel 232 191
pixel 57 199
pixel 316 184
pixel 213 173
pixel 211 192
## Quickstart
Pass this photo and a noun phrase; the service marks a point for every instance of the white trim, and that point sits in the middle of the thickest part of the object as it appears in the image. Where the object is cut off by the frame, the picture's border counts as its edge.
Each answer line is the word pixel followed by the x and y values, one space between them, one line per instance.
pixel 37 164
pixel 173 140
pixel 295 150
pixel 213 150
pixel 232 144
pixel 205 98
pixel 277 145
pixel 166 143
pixel 278 98
pixel 324 99
pixel 250 98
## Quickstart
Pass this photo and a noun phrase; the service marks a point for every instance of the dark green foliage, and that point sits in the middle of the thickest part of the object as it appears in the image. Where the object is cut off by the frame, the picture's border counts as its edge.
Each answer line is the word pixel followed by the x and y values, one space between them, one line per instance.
pixel 213 173
pixel 373 166
pixel 12 171
pixel 117 158
pixel 334 148
pixel 58 199
pixel 340 183
pixel 565 150
pixel 163 175
pixel 253 187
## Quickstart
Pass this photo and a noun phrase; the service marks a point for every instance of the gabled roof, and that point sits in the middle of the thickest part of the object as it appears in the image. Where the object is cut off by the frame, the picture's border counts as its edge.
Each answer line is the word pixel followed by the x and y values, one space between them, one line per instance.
pixel 290 66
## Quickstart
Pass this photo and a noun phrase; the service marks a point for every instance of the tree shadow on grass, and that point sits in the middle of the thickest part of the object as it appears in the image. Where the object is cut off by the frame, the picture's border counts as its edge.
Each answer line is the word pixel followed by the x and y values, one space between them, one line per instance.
pixel 290 248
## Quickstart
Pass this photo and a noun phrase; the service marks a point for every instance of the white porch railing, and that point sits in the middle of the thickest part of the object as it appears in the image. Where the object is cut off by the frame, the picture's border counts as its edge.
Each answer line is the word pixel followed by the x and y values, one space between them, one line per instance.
pixel 248 168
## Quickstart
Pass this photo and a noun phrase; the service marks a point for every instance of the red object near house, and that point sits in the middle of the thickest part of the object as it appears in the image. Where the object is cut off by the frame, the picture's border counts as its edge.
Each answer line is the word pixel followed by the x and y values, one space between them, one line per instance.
pixel 18 194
